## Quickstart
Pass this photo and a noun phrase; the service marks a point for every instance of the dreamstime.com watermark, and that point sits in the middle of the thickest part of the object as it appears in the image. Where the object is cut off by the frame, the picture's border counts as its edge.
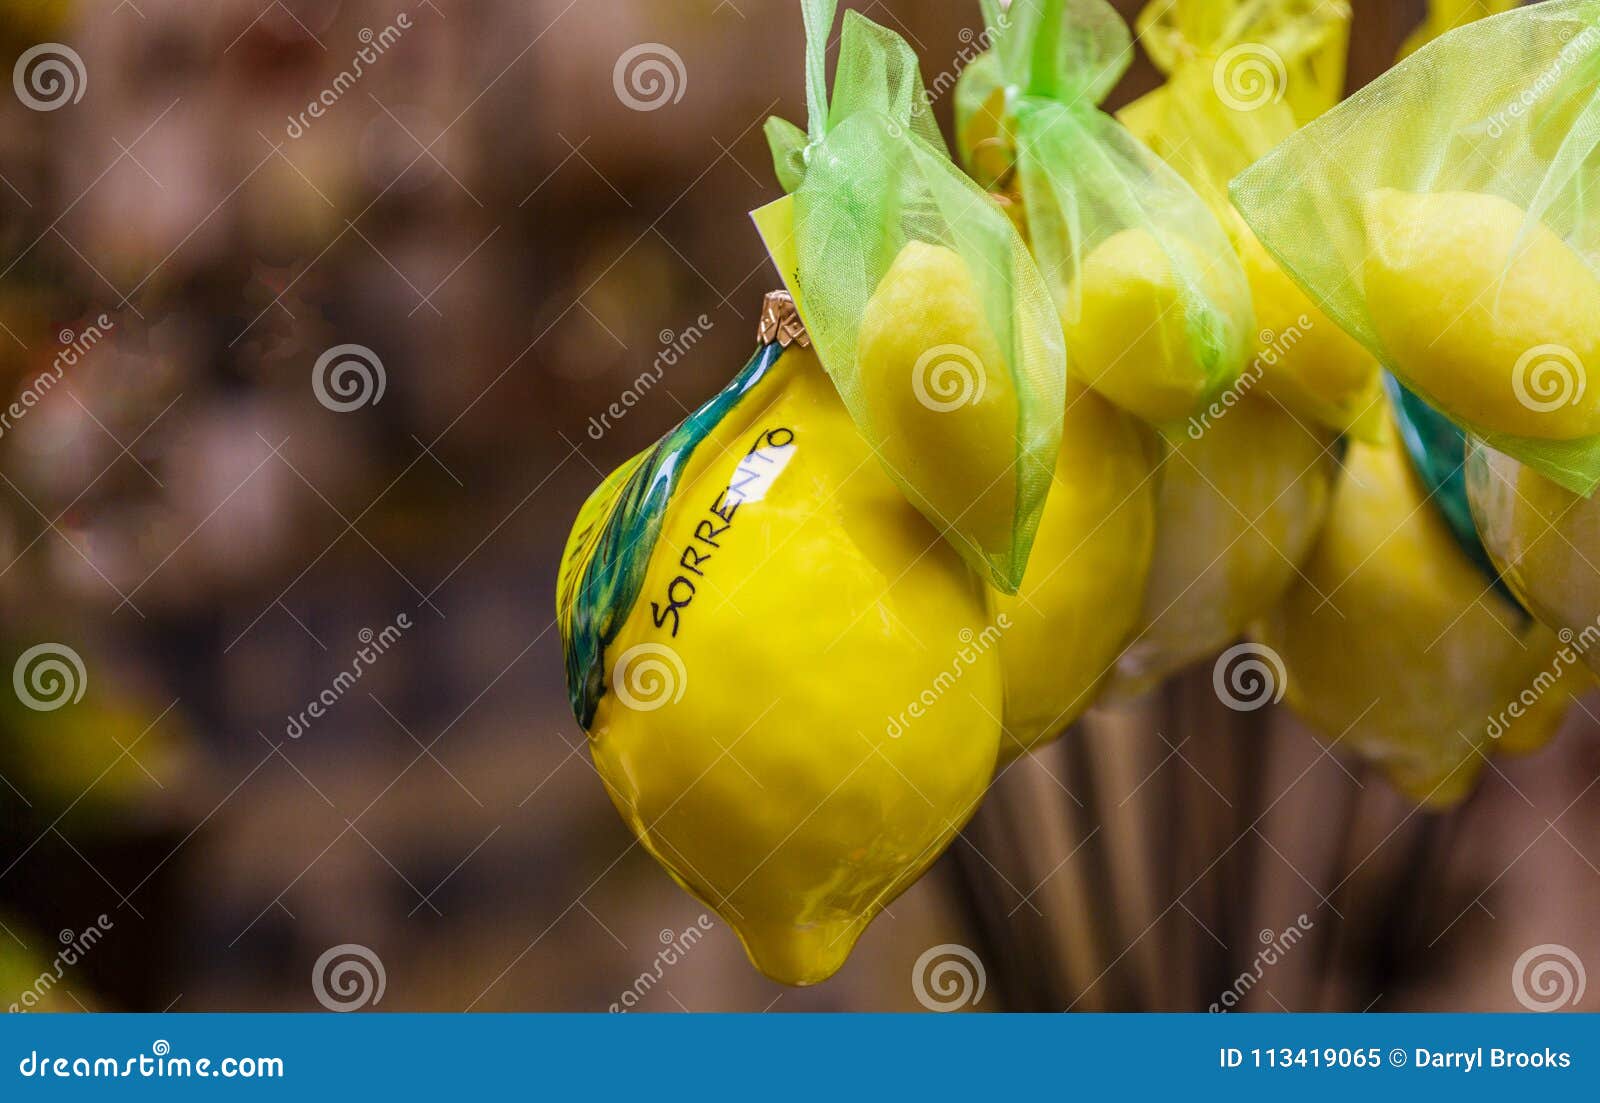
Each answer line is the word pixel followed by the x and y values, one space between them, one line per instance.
pixel 1249 676
pixel 948 377
pixel 348 977
pixel 1574 645
pixel 1576 49
pixel 348 377
pixel 49 76
pixel 1548 978
pixel 374 644
pixel 158 1064
pixel 48 676
pixel 1249 76
pixel 974 44
pixel 1274 347
pixel 74 945
pixel 948 977
pixel 1548 377
pixel 973 646
pixel 674 347
pixel 649 676
pixel 374 46
pixel 1275 946
pixel 74 347
pixel 675 946
pixel 650 76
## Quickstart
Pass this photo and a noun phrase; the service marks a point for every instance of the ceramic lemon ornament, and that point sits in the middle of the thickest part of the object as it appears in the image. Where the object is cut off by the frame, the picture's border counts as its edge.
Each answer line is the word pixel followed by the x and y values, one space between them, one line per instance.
pixel 1154 305
pixel 1312 367
pixel 1493 316
pixel 1457 240
pixel 1243 75
pixel 785 673
pixel 1084 589
pixel 937 392
pixel 1131 327
pixel 924 305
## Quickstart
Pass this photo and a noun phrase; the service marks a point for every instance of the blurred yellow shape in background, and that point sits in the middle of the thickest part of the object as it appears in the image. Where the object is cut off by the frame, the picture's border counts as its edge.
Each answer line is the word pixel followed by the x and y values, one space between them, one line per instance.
pixel 1397 647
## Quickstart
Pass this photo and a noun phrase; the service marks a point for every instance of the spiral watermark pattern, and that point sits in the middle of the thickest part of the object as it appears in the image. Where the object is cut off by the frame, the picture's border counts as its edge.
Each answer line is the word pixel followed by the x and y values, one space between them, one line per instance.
pixel 1249 676
pixel 1548 377
pixel 348 377
pixel 948 977
pixel 948 377
pixel 970 647
pixel 1250 76
pixel 1548 978
pixel 348 977
pixel 650 76
pixel 49 76
pixel 1275 946
pixel 649 676
pixel 48 676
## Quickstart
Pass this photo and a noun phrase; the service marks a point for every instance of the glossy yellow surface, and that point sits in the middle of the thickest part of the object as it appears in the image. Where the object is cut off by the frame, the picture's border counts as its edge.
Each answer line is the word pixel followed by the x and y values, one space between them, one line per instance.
pixel 939 394
pixel 1238 509
pixel 1308 363
pixel 1492 317
pixel 1396 647
pixel 1129 338
pixel 1084 587
pixel 827 715
pixel 1546 542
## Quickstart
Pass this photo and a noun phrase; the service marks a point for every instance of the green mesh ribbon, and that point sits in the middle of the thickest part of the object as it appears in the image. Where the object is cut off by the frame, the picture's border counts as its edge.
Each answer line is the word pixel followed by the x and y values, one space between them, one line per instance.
pixel 1028 119
pixel 870 177
pixel 1508 108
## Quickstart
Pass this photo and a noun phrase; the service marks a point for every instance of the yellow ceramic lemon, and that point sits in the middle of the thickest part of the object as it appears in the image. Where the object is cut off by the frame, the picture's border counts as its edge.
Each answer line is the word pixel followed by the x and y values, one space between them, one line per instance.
pixel 1241 500
pixel 1085 582
pixel 1494 319
pixel 939 395
pixel 1395 645
pixel 1310 365
pixel 789 682
pixel 1130 336
pixel 1546 542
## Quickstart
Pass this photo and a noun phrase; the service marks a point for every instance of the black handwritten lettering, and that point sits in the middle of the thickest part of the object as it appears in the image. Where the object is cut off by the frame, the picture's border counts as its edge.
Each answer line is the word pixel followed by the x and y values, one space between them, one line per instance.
pixel 681 590
pixel 690 560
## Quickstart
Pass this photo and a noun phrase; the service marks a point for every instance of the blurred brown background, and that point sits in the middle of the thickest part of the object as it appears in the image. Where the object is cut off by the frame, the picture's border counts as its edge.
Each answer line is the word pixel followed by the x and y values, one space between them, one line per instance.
pixel 516 244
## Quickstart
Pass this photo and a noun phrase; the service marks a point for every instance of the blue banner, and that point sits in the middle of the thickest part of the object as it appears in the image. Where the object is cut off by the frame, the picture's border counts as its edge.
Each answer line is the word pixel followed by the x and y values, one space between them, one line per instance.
pixel 812 1058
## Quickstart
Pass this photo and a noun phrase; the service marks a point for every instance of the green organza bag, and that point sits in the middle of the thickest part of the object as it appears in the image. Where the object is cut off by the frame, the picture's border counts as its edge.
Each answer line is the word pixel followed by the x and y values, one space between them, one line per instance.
pixel 1446 217
pixel 1243 75
pixel 1154 303
pixel 922 301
